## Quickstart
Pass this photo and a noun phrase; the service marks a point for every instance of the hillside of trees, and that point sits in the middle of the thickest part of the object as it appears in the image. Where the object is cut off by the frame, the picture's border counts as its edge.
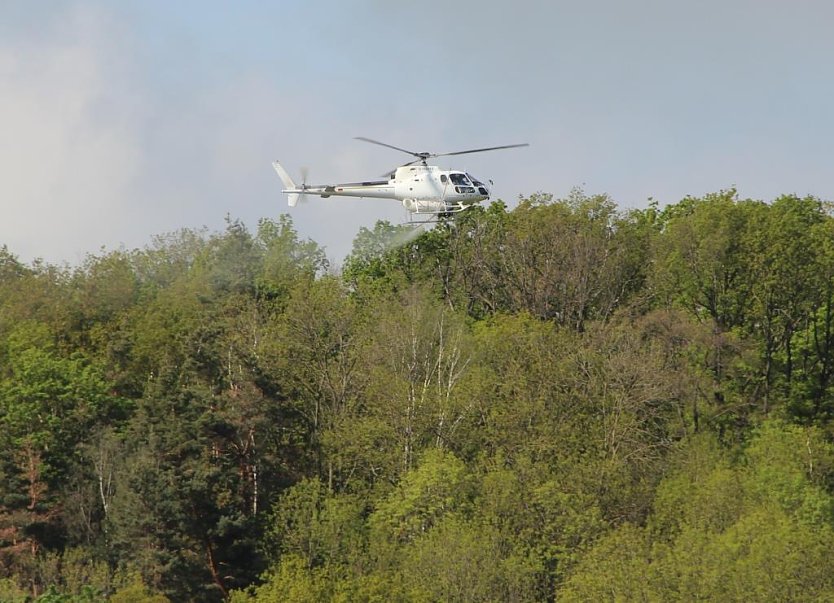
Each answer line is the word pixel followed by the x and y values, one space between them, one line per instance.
pixel 565 401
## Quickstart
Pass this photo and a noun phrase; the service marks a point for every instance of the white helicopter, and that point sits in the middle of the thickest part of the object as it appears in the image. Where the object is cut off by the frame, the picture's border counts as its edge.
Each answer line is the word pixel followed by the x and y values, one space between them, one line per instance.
pixel 424 190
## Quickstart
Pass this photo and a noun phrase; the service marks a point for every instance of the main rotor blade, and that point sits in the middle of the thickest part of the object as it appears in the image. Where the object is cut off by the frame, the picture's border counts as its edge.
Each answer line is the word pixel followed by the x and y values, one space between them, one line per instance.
pixel 506 146
pixel 390 146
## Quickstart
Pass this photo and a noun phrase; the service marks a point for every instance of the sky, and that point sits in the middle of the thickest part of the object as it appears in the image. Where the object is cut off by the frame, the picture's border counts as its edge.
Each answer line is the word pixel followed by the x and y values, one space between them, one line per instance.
pixel 121 121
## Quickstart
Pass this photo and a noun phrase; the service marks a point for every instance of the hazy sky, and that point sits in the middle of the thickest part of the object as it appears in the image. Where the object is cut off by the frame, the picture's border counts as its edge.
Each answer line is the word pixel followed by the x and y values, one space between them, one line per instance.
pixel 124 120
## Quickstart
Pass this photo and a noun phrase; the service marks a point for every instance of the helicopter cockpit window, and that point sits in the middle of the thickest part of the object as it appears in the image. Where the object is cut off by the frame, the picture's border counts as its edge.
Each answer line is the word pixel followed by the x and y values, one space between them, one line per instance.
pixel 459 179
pixel 474 180
pixel 443 178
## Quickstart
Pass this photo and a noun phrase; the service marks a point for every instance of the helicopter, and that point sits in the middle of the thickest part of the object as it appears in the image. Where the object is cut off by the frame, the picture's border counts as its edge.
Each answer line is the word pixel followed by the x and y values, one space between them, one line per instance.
pixel 424 190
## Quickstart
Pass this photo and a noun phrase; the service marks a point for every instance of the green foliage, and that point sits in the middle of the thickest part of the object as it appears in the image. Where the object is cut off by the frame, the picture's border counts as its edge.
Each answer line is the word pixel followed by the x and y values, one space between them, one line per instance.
pixel 136 592
pixel 569 260
pixel 47 400
pixel 438 486
pixel 751 529
pixel 376 252
pixel 763 271
pixel 614 570
pixel 461 560
pixel 702 261
pixel 10 591
pixel 315 526
pixel 291 582
pixel 790 466
pixel 558 401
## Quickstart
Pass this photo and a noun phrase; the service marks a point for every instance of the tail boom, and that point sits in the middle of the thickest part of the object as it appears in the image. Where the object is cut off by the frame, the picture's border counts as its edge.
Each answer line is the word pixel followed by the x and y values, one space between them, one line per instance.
pixel 382 189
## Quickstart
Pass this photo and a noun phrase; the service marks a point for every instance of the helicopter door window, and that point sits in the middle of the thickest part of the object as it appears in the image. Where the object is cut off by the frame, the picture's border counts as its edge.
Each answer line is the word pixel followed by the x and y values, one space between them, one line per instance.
pixel 462 182
pixel 443 178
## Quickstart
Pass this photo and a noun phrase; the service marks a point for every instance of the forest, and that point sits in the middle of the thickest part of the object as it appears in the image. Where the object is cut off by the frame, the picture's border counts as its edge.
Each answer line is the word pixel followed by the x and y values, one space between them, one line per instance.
pixel 565 401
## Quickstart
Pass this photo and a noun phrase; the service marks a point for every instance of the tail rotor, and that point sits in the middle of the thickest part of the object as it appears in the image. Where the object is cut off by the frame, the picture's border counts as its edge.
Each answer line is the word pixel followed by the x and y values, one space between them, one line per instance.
pixel 294 192
pixel 305 171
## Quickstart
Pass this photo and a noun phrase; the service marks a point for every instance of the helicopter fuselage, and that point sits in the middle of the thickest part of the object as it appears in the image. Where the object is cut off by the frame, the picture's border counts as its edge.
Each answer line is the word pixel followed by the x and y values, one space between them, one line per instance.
pixel 422 189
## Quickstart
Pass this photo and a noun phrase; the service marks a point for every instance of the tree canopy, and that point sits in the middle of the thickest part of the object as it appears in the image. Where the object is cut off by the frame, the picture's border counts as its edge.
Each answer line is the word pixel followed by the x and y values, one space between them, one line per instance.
pixel 560 401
